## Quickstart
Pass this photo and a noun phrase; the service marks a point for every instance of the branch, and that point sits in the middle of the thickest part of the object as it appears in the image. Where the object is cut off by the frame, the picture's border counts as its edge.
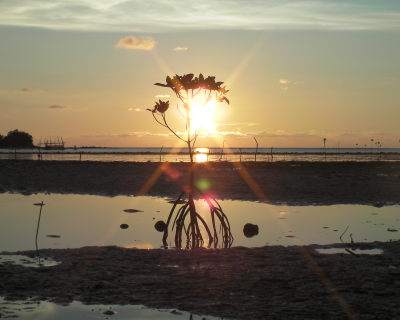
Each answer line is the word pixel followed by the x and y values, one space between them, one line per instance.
pixel 157 120
pixel 177 106
pixel 166 124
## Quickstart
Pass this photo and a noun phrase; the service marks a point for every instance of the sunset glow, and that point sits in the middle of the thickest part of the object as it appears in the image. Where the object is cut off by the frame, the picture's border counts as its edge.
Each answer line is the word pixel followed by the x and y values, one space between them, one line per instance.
pixel 203 117
pixel 297 72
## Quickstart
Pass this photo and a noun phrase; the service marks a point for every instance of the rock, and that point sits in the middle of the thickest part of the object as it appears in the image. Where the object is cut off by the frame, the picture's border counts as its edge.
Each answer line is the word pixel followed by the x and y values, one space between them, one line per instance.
pixel 109 312
pixel 160 226
pixel 250 230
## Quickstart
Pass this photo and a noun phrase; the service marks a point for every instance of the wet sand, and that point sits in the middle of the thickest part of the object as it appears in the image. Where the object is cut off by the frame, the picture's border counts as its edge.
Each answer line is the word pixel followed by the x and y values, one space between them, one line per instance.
pixel 272 282
pixel 291 183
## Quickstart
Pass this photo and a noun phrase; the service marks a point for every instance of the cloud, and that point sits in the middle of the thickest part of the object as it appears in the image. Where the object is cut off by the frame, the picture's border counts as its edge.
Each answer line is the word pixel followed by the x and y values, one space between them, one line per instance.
pixel 300 82
pixel 266 134
pixel 131 42
pixel 284 80
pixel 58 106
pixel 285 88
pixel 180 49
pixel 162 96
pixel 247 124
pixel 131 134
pixel 175 15
pixel 137 109
pixel 29 90
pixel 130 109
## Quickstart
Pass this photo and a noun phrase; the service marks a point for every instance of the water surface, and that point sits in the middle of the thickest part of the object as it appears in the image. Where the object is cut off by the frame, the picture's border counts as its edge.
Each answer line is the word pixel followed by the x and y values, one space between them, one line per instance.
pixel 74 221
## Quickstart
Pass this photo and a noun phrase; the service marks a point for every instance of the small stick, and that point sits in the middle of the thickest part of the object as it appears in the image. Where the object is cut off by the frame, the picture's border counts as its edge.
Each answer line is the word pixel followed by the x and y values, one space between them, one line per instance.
pixel 352 242
pixel 343 234
pixel 354 254
pixel 37 231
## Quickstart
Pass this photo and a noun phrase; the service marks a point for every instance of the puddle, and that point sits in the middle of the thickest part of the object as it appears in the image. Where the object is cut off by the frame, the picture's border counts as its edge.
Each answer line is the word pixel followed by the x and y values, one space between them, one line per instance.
pixel 75 221
pixel 44 310
pixel 27 261
pixel 343 250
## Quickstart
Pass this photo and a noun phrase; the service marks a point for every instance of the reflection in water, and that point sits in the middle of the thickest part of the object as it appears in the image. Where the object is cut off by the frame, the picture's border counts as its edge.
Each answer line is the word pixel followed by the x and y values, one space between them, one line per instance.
pixel 250 230
pixel 201 154
pixel 191 231
pixel 33 309
pixel 87 220
pixel 201 157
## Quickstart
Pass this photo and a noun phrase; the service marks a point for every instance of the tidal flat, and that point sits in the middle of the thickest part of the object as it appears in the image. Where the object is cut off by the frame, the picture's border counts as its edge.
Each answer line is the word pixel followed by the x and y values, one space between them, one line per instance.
pixel 293 183
pixel 262 282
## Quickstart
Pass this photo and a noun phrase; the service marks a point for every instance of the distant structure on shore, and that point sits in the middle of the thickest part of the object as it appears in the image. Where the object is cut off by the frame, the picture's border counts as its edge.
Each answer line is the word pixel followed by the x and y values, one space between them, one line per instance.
pixel 56 144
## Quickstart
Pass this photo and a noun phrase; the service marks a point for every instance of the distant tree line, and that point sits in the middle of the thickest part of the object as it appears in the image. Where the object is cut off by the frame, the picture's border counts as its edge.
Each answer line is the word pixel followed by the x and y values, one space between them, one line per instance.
pixel 16 139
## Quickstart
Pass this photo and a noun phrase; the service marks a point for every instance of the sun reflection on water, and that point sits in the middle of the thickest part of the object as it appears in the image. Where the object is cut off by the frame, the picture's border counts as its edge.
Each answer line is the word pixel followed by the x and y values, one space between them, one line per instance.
pixel 201 154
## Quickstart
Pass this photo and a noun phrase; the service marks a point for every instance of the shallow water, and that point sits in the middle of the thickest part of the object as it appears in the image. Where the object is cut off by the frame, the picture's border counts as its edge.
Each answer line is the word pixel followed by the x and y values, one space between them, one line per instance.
pixel 75 221
pixel 44 310
pixel 27 261
pixel 214 154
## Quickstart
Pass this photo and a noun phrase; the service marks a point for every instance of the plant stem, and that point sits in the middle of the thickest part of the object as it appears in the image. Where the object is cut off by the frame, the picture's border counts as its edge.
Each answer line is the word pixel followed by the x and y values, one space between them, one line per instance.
pixel 191 179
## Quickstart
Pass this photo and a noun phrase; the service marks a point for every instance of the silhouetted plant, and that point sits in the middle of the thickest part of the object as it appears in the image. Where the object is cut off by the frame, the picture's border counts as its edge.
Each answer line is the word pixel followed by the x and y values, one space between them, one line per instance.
pixel 186 88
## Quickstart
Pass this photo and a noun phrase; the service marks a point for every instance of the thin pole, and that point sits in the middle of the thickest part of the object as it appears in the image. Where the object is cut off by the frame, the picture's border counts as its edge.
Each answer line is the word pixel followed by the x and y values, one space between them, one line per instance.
pixel 222 150
pixel 37 231
pixel 255 156
pixel 160 152
pixel 372 140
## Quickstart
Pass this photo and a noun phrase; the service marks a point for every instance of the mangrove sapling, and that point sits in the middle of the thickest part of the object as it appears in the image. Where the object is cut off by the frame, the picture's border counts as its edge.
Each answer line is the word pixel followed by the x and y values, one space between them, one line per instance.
pixel 187 89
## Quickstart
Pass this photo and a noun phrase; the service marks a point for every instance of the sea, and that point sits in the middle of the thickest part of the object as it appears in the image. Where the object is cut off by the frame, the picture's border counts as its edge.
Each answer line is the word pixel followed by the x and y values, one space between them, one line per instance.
pixel 203 154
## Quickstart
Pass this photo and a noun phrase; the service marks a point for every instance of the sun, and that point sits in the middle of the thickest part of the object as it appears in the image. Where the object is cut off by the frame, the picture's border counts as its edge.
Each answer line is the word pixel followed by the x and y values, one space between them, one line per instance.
pixel 203 117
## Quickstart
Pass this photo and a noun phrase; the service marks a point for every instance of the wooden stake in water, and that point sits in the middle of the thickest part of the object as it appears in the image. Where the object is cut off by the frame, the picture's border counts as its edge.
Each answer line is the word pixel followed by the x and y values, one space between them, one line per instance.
pixel 255 155
pixel 37 231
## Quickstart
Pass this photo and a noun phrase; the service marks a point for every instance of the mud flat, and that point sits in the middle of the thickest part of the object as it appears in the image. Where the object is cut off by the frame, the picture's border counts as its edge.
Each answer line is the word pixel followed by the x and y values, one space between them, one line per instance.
pixel 291 183
pixel 272 282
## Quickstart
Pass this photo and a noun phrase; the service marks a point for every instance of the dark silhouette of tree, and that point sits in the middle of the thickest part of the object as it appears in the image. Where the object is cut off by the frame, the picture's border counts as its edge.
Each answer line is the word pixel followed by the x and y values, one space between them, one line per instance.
pixel 186 88
pixel 16 139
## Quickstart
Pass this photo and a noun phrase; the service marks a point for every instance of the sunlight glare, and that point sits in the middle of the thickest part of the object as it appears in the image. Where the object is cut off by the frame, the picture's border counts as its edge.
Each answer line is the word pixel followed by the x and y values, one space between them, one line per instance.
pixel 201 157
pixel 203 117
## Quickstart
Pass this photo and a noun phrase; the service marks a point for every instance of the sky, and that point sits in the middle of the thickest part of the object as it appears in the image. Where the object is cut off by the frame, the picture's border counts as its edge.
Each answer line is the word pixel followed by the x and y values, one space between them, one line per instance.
pixel 297 71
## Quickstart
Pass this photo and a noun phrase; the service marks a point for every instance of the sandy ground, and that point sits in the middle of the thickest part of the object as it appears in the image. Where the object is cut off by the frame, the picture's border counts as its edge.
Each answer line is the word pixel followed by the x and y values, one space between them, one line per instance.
pixel 271 282
pixel 292 183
